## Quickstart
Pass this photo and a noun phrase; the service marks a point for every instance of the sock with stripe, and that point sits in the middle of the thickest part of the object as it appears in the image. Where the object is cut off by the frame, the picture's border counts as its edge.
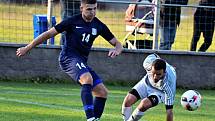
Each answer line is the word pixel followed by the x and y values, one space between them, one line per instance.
pixel 87 100
pixel 126 113
pixel 136 115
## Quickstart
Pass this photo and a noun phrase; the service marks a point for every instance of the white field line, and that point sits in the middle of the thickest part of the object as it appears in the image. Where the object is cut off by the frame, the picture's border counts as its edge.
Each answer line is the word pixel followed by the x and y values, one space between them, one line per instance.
pixel 48 105
pixel 38 104
pixel 53 94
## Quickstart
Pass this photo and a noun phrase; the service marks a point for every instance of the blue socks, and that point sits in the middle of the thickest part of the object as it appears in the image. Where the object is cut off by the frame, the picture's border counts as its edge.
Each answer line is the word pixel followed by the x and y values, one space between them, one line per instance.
pixel 99 104
pixel 87 100
pixel 91 109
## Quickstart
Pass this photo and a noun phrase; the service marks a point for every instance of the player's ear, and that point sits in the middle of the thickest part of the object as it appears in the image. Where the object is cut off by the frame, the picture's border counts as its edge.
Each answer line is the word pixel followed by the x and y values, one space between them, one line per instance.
pixel 81 8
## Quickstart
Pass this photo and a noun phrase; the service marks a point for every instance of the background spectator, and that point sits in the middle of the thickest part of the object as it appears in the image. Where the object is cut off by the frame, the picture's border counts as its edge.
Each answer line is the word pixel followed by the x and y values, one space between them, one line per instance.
pixel 169 20
pixel 203 22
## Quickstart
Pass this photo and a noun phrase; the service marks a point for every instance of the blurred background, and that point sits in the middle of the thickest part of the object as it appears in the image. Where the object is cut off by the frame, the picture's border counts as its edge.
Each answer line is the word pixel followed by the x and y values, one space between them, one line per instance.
pixel 17 17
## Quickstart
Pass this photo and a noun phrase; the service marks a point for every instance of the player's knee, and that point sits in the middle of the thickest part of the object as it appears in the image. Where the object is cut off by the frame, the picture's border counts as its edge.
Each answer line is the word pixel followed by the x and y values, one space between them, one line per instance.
pixel 104 92
pixel 127 103
pixel 86 78
pixel 147 103
pixel 100 91
pixel 154 100
pixel 129 100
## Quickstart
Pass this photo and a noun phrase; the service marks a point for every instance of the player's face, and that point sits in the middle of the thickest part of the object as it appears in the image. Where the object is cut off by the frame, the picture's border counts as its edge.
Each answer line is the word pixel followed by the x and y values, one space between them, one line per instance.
pixel 157 74
pixel 88 11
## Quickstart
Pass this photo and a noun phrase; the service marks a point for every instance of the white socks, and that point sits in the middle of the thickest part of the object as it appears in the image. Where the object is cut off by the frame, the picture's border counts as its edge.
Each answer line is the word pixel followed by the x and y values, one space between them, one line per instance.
pixel 126 113
pixel 136 115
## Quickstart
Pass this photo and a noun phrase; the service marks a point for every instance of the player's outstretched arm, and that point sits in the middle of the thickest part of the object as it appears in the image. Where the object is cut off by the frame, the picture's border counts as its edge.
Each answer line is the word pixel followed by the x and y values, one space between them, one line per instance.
pixel 41 38
pixel 118 48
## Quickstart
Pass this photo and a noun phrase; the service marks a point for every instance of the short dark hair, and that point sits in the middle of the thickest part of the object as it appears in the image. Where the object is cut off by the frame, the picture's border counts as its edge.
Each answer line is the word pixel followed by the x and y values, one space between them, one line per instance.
pixel 159 64
pixel 89 1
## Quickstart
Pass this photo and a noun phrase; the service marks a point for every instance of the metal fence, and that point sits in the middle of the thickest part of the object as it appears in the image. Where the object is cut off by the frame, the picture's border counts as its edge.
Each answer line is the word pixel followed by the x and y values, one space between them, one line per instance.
pixel 16 23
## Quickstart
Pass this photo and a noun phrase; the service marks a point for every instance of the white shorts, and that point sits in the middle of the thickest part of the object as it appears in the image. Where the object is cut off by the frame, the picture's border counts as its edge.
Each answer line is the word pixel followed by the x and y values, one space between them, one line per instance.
pixel 145 90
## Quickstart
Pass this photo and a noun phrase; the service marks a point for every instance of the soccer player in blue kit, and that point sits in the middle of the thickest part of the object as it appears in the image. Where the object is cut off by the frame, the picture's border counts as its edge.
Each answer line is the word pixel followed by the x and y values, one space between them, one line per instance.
pixel 81 31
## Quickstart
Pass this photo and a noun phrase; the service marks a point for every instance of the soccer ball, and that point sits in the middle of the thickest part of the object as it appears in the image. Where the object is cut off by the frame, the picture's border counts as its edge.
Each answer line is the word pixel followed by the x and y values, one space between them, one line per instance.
pixel 191 100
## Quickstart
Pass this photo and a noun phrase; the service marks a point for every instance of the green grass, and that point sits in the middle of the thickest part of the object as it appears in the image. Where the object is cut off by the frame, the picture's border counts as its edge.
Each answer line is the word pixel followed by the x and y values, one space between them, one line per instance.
pixel 61 102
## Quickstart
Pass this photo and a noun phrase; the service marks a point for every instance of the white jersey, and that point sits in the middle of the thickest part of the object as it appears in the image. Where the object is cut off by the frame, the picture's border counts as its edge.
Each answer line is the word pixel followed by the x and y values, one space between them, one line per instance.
pixel 167 85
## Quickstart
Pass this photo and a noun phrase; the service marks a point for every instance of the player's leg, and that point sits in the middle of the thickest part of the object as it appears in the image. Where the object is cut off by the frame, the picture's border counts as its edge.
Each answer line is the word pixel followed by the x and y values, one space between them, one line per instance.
pixel 137 92
pixel 78 70
pixel 144 105
pixel 150 98
pixel 154 98
pixel 131 98
pixel 86 82
pixel 100 93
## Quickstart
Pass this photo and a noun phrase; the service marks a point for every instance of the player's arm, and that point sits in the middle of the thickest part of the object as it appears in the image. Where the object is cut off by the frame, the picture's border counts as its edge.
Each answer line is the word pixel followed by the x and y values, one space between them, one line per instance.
pixel 108 35
pixel 169 115
pixel 40 39
pixel 118 48
pixel 169 107
pixel 169 101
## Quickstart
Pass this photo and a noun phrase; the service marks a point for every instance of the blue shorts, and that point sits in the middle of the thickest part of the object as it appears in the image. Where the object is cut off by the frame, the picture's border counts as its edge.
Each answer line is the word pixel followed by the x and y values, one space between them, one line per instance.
pixel 75 67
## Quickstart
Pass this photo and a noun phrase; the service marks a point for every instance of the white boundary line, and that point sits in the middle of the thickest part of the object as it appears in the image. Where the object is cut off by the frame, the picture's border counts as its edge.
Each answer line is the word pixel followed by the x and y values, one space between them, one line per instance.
pixel 38 104
pixel 48 105
pixel 52 93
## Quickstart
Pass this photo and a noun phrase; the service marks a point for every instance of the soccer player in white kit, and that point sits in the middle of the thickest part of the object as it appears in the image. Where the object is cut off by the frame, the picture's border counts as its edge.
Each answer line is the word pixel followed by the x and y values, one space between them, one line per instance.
pixel 157 86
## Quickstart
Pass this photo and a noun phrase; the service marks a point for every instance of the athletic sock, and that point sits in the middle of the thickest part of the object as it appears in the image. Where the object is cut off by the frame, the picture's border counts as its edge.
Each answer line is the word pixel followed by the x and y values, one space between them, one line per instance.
pixel 126 113
pixel 87 100
pixel 136 115
pixel 91 119
pixel 99 104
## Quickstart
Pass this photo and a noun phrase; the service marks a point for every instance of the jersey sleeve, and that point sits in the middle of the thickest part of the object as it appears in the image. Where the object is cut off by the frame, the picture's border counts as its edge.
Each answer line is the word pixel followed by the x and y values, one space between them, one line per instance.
pixel 169 95
pixel 106 33
pixel 169 86
pixel 63 25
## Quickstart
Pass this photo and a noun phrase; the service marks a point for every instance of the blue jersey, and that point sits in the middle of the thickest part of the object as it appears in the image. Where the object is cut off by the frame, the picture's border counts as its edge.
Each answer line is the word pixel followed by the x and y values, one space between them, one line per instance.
pixel 81 34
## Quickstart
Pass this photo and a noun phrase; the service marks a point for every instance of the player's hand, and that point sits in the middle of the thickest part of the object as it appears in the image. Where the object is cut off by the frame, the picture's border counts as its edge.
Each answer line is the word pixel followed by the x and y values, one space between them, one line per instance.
pixel 21 51
pixel 113 53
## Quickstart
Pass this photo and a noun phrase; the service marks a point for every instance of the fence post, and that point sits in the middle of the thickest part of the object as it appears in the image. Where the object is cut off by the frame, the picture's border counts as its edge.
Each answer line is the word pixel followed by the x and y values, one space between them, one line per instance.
pixel 49 18
pixel 156 25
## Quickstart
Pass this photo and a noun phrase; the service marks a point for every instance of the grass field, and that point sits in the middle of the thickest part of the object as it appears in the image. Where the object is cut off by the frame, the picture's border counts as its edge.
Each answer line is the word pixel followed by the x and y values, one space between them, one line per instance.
pixel 61 102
